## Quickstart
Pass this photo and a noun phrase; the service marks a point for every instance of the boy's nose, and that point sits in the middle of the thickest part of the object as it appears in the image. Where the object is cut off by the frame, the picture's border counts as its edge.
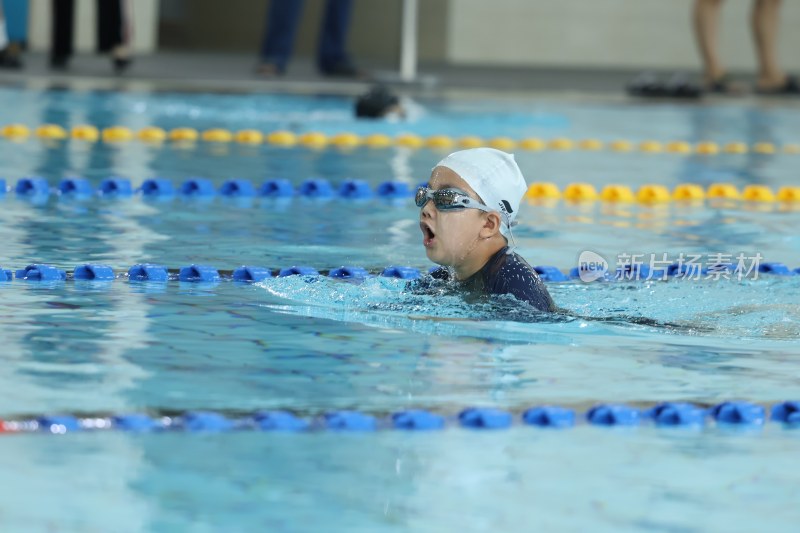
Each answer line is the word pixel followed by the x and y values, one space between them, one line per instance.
pixel 427 209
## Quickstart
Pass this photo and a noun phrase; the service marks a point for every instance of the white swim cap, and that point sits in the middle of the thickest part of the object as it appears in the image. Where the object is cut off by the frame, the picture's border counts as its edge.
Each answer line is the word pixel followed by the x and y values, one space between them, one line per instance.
pixel 494 176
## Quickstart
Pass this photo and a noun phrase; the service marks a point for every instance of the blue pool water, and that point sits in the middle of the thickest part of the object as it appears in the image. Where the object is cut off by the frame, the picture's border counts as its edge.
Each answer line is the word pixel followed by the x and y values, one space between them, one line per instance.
pixel 91 348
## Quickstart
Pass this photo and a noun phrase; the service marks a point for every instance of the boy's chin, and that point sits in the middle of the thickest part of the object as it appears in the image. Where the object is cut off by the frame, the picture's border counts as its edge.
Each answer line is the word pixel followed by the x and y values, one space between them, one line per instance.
pixel 434 257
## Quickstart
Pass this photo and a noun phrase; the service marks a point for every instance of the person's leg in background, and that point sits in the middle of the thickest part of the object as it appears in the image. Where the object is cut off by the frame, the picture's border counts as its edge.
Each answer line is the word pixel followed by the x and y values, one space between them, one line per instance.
pixel 61 40
pixel 706 30
pixel 332 58
pixel 283 17
pixel 765 20
pixel 15 13
pixel 113 32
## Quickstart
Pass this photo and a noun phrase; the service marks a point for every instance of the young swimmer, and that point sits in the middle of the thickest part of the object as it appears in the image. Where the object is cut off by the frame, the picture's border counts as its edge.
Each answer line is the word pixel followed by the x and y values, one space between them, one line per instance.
pixel 466 213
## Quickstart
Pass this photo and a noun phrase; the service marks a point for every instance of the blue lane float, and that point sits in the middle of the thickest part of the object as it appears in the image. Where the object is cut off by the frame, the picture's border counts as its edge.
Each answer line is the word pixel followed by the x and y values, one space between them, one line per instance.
pixel 198 274
pixel 485 418
pixel 6 275
pixel 115 187
pixel 279 421
pixel 786 412
pixel 613 415
pixel 393 189
pixel 676 414
pixel 79 187
pixel 3 186
pixel 93 272
pixel 243 188
pixel 157 187
pixel 549 416
pixel 278 188
pixel 350 421
pixel 148 272
pixel 134 422
pixel 298 271
pixel 348 272
pixel 417 420
pixel 401 272
pixel 58 423
pixel 355 189
pixel 316 188
pixel 39 272
pixel 550 273
pixel 738 413
pixel 198 187
pixel 251 273
pixel 778 269
pixel 206 421
pixel 34 186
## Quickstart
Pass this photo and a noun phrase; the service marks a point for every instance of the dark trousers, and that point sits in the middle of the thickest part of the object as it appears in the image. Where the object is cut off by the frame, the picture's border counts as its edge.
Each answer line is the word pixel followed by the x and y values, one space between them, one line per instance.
pixel 282 21
pixel 109 26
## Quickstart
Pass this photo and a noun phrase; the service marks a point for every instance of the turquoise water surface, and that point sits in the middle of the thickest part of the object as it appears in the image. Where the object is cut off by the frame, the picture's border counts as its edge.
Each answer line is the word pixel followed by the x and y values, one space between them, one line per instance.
pixel 313 345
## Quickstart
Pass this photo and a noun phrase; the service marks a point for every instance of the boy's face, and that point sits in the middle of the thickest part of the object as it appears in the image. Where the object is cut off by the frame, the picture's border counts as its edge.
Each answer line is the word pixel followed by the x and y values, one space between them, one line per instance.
pixel 449 236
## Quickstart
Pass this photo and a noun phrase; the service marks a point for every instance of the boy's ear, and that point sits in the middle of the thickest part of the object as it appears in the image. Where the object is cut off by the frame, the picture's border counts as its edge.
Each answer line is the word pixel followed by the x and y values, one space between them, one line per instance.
pixel 491 225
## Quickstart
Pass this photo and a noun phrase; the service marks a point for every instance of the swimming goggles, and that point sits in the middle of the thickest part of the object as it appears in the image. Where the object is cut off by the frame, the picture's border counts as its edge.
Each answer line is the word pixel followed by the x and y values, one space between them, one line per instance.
pixel 448 199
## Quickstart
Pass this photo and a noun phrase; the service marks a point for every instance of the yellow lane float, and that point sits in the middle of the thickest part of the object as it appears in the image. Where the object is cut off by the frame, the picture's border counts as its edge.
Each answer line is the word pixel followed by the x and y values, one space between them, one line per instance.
pixel 85 132
pixel 503 143
pixel 621 145
pixel 688 192
pixel 679 147
pixel 580 192
pixel 653 194
pixel 117 134
pixel 560 144
pixel 543 190
pixel 409 140
pixel 15 131
pixel 439 141
pixel 282 138
pixel 345 140
pixel 217 135
pixel 789 194
pixel 758 193
pixel 617 194
pixel 378 140
pixel 470 141
pixel 533 144
pixel 736 148
pixel 723 190
pixel 591 145
pixel 51 131
pixel 249 137
pixel 183 134
pixel 313 139
pixel 764 148
pixel 152 134
pixel 651 147
pixel 706 148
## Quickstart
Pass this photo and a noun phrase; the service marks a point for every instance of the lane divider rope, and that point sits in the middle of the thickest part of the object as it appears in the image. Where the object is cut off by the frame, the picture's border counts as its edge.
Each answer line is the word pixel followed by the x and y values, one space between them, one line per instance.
pixel 728 414
pixel 195 273
pixel 187 136
pixel 538 192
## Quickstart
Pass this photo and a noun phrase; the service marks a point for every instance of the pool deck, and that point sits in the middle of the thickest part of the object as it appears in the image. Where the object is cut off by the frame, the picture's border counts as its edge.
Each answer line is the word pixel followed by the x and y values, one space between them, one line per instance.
pixel 234 73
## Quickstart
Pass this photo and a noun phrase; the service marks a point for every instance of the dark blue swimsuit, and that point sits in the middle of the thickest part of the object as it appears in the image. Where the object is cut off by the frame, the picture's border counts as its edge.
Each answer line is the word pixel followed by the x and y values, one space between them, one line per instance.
pixel 505 273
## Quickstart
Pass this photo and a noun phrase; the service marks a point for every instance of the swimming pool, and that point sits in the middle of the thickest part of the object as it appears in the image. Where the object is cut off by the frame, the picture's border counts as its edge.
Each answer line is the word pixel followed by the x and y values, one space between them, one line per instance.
pixel 316 345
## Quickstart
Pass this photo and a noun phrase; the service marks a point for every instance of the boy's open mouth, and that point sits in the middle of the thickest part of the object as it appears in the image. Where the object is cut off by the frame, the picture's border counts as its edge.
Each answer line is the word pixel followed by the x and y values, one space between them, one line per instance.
pixel 427 234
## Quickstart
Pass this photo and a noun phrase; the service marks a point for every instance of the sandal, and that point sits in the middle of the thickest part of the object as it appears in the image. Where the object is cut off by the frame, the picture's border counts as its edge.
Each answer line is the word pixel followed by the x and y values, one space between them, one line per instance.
pixel 724 86
pixel 789 88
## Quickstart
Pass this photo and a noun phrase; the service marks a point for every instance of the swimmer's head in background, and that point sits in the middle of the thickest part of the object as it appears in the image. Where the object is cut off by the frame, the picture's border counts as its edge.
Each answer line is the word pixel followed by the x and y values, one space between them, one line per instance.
pixel 495 177
pixel 376 103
